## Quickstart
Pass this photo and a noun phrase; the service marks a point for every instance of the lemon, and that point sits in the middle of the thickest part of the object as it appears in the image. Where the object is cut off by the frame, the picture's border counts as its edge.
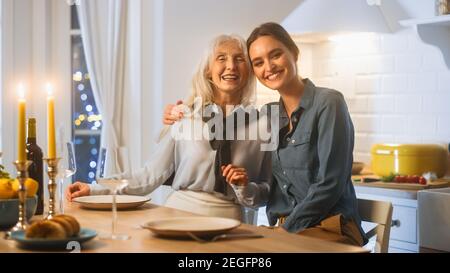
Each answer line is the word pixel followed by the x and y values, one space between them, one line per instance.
pixel 6 189
pixel 31 186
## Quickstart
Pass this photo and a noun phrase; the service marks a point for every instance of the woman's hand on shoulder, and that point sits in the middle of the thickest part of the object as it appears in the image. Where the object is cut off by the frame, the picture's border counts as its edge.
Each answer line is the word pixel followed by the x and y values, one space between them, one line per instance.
pixel 77 189
pixel 235 175
pixel 172 113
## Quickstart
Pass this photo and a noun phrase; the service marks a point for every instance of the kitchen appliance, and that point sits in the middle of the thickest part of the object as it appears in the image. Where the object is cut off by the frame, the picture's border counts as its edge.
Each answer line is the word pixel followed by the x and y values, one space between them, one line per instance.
pixel 409 159
pixel 434 223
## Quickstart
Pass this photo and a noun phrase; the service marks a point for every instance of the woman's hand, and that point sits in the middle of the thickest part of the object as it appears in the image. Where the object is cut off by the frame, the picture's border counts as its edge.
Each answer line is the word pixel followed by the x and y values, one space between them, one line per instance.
pixel 172 113
pixel 77 189
pixel 235 175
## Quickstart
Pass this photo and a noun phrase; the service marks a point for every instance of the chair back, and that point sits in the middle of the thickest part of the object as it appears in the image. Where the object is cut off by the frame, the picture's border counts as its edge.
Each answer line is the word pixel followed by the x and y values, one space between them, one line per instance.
pixel 380 213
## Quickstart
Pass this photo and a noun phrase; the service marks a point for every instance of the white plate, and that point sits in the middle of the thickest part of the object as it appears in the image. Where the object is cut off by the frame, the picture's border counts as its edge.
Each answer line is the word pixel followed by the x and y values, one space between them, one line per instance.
pixel 201 226
pixel 105 201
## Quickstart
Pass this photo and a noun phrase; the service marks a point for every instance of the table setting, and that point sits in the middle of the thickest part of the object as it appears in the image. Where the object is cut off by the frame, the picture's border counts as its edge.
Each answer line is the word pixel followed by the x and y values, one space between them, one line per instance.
pixel 116 222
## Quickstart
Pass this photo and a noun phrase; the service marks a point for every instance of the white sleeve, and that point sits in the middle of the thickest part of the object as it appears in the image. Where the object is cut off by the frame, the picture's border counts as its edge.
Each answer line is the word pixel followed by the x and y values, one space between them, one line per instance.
pixel 97 189
pixel 152 175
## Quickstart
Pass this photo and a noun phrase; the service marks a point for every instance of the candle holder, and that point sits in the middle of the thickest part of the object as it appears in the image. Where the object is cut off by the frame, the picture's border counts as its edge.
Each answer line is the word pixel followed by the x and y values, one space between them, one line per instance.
pixel 52 171
pixel 22 175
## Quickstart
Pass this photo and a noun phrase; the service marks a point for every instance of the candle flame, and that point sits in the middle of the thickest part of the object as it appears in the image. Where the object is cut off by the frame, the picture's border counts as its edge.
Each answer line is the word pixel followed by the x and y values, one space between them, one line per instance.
pixel 49 89
pixel 21 91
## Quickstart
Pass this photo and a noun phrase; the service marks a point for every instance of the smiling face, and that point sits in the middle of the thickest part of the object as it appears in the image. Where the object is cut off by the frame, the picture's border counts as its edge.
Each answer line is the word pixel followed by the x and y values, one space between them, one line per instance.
pixel 228 68
pixel 273 64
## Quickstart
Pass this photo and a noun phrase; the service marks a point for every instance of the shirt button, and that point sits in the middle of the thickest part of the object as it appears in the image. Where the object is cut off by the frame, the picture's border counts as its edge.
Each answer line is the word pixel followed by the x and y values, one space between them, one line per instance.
pixel 293 202
pixel 294 119
pixel 284 172
pixel 293 141
pixel 284 186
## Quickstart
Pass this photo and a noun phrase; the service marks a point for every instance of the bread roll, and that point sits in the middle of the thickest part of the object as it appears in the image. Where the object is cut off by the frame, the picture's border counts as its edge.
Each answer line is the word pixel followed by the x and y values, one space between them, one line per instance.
pixel 65 224
pixel 46 229
pixel 72 221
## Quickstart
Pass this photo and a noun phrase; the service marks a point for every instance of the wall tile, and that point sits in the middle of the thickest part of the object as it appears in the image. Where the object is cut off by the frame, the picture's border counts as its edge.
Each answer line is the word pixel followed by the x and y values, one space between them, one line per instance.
pixel 357 104
pixel 394 124
pixel 396 83
pixel 366 123
pixel 408 63
pixel 444 82
pixel 380 104
pixel 425 82
pixel 367 84
pixel 408 104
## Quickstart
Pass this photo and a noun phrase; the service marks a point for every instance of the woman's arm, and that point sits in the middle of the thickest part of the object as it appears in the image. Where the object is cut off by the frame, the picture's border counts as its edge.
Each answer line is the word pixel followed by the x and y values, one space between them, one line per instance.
pixel 153 174
pixel 335 151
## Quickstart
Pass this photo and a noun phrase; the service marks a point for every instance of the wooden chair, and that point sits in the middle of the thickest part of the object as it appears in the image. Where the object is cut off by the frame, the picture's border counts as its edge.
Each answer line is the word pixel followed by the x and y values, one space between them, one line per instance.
pixel 380 213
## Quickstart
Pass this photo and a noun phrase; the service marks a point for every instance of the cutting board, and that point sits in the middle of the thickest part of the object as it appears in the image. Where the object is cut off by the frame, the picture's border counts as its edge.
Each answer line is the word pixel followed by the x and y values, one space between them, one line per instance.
pixel 439 183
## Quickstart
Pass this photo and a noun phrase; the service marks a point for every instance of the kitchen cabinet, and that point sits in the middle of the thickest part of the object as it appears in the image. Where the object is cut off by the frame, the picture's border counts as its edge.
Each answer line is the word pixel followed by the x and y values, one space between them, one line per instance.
pixel 434 31
pixel 404 230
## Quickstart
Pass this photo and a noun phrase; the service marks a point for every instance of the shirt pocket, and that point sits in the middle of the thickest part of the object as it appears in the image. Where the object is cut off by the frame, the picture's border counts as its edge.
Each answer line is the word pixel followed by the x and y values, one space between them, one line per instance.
pixel 297 154
pixel 302 139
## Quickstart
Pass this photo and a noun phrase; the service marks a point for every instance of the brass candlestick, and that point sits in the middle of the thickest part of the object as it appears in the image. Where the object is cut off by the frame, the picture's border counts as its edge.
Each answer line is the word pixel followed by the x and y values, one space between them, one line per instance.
pixel 22 175
pixel 52 171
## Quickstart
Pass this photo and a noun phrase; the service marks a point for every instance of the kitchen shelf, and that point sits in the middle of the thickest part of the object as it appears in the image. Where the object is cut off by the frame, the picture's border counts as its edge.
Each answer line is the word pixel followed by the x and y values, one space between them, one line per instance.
pixel 443 20
pixel 434 31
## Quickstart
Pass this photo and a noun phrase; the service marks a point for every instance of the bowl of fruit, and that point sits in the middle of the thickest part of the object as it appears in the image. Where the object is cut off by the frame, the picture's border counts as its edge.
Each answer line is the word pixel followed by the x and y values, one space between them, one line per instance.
pixel 9 200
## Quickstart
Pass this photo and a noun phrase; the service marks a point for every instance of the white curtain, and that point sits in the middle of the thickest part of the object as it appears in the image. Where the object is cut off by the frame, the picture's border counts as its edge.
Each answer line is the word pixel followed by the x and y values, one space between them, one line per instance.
pixel 103 26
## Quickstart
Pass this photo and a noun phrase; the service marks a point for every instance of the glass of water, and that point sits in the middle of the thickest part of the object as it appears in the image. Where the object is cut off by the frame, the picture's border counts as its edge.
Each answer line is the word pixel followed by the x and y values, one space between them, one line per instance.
pixel 115 186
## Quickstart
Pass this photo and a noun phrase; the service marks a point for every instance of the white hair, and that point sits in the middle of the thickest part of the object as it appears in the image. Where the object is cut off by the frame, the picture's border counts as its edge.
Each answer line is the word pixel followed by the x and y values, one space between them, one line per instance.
pixel 203 87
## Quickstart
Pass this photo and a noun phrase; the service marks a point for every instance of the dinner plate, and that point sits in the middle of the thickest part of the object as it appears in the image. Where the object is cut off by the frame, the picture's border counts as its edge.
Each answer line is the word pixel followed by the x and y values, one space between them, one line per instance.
pixel 42 243
pixel 105 201
pixel 201 226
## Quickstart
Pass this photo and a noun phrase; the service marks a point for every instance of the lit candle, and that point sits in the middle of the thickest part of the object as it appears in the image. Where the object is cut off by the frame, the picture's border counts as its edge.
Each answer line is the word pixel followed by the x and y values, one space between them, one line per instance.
pixel 21 133
pixel 51 145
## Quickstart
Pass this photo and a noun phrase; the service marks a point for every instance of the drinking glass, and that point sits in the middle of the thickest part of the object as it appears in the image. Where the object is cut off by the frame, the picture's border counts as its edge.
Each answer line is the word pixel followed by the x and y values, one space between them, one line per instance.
pixel 114 185
pixel 67 167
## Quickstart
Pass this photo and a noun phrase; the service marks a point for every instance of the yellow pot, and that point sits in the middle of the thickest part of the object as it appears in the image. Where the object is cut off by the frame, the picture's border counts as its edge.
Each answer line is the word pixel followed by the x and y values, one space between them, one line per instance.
pixel 409 159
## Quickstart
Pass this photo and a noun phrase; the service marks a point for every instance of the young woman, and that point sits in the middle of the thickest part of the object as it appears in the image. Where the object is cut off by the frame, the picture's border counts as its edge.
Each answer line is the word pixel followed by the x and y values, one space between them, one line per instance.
pixel 194 165
pixel 312 192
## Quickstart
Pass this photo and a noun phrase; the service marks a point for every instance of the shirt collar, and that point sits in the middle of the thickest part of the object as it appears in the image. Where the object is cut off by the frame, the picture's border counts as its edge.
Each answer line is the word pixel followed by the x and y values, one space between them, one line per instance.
pixel 306 100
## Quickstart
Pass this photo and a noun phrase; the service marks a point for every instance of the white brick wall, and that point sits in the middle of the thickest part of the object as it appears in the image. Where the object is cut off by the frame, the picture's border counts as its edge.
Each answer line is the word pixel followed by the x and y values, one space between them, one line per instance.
pixel 396 87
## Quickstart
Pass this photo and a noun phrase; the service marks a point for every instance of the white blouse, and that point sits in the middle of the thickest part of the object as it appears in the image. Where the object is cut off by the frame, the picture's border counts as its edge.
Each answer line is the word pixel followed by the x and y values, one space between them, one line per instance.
pixel 192 163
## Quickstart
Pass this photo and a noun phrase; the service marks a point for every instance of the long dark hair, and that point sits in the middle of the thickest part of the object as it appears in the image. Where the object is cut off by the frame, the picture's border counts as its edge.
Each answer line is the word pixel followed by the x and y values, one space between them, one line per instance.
pixel 276 31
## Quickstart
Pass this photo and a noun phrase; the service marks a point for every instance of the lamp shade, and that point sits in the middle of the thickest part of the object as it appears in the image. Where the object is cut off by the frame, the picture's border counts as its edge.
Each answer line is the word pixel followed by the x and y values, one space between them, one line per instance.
pixel 332 16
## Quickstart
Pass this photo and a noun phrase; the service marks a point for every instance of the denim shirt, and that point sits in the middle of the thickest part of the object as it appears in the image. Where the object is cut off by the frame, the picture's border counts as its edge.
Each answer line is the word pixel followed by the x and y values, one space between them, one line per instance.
pixel 312 164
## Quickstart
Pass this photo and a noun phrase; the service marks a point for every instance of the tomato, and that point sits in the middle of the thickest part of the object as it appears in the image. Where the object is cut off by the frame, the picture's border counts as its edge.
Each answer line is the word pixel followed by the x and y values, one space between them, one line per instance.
pixel 415 179
pixel 422 180
pixel 401 179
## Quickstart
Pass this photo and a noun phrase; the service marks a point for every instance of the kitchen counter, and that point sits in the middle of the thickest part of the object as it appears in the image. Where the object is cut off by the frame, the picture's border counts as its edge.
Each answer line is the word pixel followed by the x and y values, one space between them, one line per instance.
pixel 394 193
pixel 143 240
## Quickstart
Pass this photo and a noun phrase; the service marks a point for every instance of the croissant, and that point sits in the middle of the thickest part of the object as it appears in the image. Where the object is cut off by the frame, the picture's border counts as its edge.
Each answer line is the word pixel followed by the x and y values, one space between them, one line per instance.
pixel 59 227
pixel 46 229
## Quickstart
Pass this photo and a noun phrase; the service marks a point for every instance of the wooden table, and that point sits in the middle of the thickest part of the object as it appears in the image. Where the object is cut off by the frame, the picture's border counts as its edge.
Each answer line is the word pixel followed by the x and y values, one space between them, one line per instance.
pixel 143 240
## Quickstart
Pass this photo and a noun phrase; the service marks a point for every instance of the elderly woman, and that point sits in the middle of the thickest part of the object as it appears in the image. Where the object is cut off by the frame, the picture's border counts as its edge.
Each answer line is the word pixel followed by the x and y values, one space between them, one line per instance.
pixel 222 87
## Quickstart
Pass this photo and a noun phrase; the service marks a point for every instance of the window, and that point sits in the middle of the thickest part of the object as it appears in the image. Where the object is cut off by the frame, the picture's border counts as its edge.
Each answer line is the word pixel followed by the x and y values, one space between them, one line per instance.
pixel 86 120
